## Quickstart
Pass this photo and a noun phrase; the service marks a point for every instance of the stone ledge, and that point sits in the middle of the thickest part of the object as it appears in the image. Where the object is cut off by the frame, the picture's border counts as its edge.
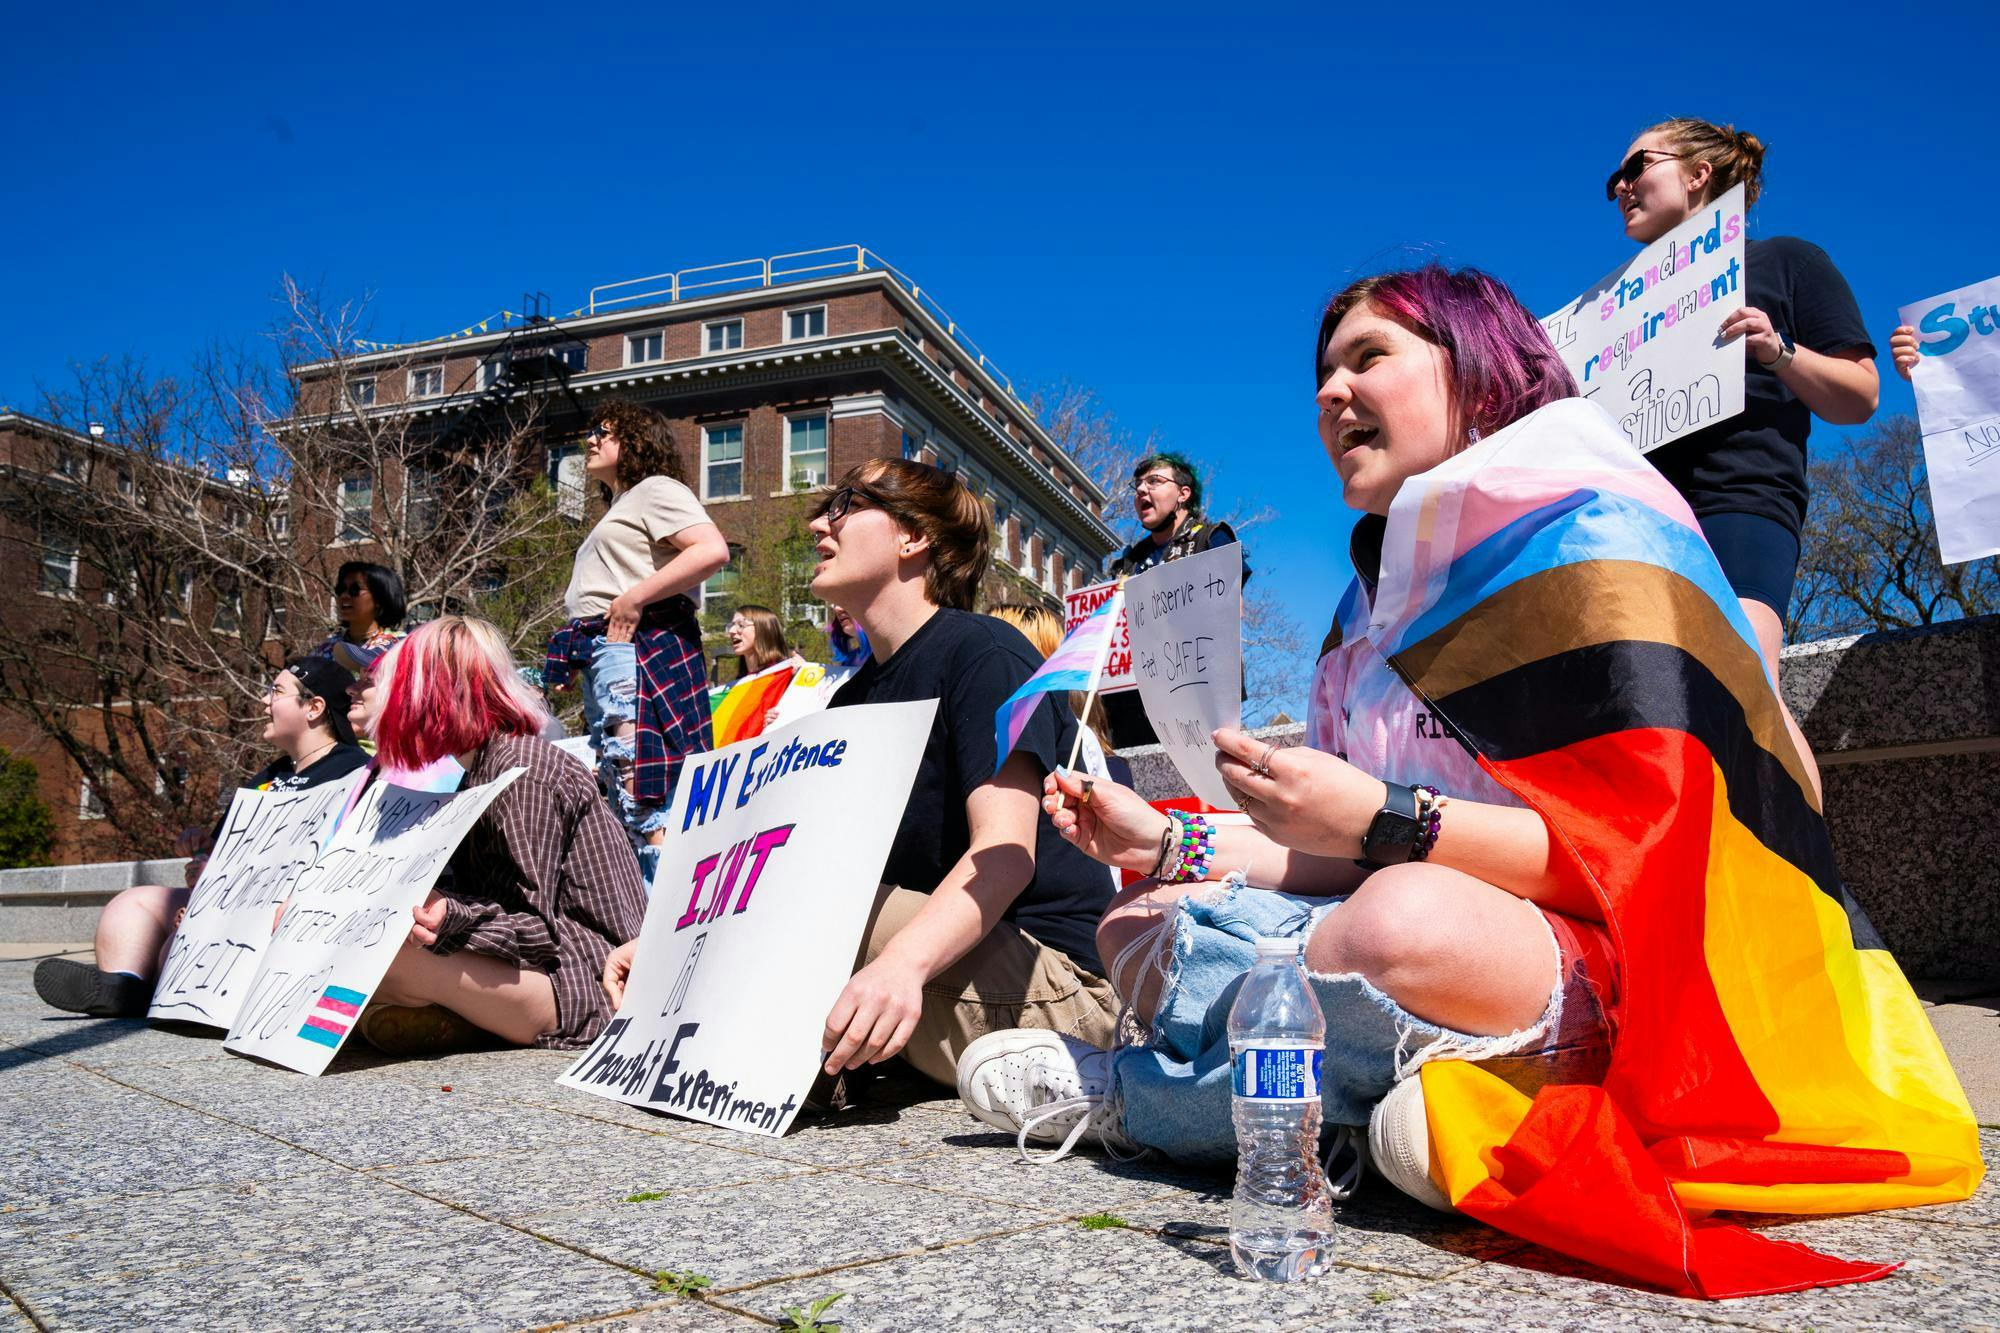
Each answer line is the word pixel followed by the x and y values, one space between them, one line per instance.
pixel 1930 687
pixel 53 886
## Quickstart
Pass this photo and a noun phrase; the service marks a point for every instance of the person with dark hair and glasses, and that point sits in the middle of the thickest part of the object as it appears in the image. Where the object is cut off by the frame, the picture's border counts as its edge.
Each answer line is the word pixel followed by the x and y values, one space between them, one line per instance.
pixel 1166 499
pixel 368 601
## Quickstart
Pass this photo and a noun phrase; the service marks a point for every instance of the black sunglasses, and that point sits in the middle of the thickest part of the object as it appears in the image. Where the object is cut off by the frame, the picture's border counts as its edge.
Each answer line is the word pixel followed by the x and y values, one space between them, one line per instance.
pixel 835 506
pixel 1632 168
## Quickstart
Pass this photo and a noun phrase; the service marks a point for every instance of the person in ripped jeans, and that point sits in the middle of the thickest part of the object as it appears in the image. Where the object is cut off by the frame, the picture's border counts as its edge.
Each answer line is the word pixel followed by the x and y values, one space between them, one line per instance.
pixel 633 632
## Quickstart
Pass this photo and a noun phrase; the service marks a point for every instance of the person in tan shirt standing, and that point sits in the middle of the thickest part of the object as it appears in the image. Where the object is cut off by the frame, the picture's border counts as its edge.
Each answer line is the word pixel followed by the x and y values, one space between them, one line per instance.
pixel 633 632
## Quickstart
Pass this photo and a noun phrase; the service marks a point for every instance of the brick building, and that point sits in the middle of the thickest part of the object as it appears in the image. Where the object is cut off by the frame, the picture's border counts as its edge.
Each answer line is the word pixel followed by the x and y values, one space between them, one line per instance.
pixel 777 375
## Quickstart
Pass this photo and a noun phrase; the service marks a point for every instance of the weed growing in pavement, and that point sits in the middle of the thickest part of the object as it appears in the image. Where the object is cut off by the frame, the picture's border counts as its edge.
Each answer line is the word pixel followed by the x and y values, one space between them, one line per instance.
pixel 1101 1221
pixel 689 1283
pixel 646 1196
pixel 808 1320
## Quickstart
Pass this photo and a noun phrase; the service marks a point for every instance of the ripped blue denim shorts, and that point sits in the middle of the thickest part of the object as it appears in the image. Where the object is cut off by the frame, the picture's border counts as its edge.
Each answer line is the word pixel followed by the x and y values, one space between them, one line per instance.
pixel 611 696
pixel 1175 1087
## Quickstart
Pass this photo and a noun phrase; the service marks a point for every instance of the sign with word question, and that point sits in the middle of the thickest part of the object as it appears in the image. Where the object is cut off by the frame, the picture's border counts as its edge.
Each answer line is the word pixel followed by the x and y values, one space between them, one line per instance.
pixel 756 916
pixel 1957 380
pixel 1187 657
pixel 350 912
pixel 1078 607
pixel 268 839
pixel 1642 341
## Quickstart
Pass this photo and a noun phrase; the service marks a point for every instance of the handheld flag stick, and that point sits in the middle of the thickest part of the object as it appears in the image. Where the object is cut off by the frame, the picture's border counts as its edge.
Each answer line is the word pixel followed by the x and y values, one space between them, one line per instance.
pixel 1096 678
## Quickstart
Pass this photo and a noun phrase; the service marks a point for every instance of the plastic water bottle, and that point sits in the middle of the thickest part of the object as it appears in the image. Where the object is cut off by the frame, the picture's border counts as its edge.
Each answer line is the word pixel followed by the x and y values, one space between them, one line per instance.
pixel 1281 1223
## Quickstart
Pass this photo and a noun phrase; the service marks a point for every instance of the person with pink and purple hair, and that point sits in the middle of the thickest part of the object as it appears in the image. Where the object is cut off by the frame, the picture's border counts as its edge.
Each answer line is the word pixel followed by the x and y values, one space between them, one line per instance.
pixel 542 888
pixel 1464 932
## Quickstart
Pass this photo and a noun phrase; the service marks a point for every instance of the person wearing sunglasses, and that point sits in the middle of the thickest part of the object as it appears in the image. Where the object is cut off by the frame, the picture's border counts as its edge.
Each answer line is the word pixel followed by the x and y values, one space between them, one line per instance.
pixel 369 602
pixel 632 632
pixel 1809 355
pixel 987 919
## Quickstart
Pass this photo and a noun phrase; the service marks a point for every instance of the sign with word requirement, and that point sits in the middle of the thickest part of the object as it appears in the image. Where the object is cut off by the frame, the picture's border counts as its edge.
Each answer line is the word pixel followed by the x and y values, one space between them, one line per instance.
pixel 1642 341
pixel 268 840
pixel 756 916
pixel 349 914
pixel 1958 406
pixel 1187 656
pixel 1078 607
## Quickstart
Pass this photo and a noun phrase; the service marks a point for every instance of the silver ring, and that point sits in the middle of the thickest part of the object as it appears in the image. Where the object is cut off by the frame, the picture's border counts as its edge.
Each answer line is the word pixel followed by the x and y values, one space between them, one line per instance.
pixel 1262 768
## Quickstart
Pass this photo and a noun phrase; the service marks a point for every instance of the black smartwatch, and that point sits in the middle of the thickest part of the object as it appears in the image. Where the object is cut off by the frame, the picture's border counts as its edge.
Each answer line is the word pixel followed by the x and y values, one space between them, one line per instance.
pixel 1393 832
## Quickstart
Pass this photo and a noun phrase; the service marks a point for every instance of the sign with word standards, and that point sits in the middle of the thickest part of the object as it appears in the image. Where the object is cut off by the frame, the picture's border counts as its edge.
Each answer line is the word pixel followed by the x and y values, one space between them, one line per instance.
pixel 349 914
pixel 268 839
pixel 756 917
pixel 1187 656
pixel 1642 341
pixel 1078 607
pixel 1958 407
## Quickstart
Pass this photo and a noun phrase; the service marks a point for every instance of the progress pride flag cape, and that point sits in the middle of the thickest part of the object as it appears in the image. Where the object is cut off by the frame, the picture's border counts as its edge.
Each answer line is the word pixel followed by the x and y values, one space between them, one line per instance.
pixel 1549 594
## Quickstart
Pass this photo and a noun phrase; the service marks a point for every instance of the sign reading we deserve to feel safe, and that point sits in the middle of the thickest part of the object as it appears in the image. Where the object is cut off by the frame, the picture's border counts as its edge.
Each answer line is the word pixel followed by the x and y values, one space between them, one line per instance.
pixel 1641 341
pixel 763 889
pixel 1187 656
pixel 1957 380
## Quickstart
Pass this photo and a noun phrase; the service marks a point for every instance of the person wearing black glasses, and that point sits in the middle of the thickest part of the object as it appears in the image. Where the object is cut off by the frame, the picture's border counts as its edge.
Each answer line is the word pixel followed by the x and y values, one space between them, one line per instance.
pixel 1809 355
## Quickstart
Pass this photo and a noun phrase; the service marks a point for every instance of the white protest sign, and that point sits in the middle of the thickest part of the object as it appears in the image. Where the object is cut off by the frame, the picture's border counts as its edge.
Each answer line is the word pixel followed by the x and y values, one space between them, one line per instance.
pixel 1958 406
pixel 1078 607
pixel 580 749
pixel 349 914
pixel 756 917
pixel 1642 341
pixel 268 839
pixel 1187 655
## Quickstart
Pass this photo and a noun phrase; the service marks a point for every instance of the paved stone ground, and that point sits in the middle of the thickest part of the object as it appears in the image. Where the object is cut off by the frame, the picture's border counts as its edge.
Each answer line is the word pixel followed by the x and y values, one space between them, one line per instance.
pixel 150 1180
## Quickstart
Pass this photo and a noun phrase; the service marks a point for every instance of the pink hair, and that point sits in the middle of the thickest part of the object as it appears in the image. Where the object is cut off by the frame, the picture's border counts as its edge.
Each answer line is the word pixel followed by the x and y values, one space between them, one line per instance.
pixel 451 686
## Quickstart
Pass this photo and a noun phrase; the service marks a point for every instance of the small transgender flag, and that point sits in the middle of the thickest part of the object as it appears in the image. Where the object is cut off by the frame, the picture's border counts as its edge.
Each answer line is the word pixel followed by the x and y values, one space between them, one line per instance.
pixel 336 1011
pixel 1076 664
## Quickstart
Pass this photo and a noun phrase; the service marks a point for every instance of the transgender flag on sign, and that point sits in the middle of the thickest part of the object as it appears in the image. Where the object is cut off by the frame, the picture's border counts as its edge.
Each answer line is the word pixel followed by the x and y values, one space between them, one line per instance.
pixel 335 1013
pixel 1076 664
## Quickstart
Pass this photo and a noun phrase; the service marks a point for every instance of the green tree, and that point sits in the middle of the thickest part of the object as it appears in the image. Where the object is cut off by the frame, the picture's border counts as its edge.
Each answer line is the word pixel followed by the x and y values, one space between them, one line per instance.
pixel 27 825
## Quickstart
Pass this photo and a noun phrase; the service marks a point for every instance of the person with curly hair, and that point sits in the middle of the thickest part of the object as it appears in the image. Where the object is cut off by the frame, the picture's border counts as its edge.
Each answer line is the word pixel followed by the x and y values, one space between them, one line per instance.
pixel 633 633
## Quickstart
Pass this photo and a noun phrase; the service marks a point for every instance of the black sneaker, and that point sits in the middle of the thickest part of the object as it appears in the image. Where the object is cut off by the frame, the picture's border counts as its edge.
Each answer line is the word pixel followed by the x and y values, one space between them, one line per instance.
pixel 80 988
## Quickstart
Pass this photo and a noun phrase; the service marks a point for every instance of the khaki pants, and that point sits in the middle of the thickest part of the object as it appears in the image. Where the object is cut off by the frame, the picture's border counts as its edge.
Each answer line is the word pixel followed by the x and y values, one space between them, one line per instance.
pixel 1008 980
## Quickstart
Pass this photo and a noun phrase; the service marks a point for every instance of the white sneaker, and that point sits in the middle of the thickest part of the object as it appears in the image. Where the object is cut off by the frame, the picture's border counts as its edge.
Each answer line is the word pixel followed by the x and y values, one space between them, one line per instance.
pixel 1044 1087
pixel 1399 1144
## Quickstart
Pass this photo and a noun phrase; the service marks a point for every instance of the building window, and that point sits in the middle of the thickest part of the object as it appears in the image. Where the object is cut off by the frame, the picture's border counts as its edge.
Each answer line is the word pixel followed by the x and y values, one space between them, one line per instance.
pixel 805 452
pixel 1001 512
pixel 809 322
pixel 361 391
pixel 492 370
pixel 69 464
pixel 800 604
pixel 723 335
pixel 574 357
pixel 420 502
pixel 228 608
pixel 357 508
pixel 59 551
pixel 1048 567
pixel 566 476
pixel 281 523
pixel 274 618
pixel 643 347
pixel 914 332
pixel 88 806
pixel 912 446
pixel 182 605
pixel 427 381
pixel 125 487
pixel 722 461
pixel 719 591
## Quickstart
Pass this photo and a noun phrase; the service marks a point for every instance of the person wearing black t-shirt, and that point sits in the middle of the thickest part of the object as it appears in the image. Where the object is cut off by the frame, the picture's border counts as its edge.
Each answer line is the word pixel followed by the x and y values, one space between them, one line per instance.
pixel 987 919
pixel 306 711
pixel 1809 355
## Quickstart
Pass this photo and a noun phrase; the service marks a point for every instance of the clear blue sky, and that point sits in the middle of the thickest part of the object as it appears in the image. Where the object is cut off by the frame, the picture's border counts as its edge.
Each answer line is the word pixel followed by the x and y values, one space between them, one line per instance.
pixel 1153 201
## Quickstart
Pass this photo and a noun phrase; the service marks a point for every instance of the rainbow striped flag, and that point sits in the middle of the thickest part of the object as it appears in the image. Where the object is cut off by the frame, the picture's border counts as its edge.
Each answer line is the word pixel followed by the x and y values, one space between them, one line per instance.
pixel 1076 664
pixel 1550 595
pixel 738 712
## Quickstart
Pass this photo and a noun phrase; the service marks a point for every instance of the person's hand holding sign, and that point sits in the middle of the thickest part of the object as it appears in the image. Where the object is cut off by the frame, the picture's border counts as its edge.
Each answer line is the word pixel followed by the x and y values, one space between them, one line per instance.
pixel 874 1016
pixel 1759 337
pixel 1903 349
pixel 1114 825
pixel 1299 797
pixel 618 970
pixel 429 919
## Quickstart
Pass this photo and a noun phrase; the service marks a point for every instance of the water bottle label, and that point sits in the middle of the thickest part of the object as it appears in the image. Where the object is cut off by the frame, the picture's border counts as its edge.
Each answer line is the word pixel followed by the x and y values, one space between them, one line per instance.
pixel 1276 1073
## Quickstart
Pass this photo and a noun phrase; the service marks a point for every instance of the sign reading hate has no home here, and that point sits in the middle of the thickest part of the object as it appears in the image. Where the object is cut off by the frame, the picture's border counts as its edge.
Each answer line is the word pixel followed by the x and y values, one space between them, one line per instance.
pixel 1642 342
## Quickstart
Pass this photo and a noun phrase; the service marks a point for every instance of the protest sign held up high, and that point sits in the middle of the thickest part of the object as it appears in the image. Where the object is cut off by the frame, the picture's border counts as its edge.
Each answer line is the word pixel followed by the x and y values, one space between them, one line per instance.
pixel 1187 655
pixel 268 839
pixel 1957 380
pixel 349 914
pixel 1642 340
pixel 762 894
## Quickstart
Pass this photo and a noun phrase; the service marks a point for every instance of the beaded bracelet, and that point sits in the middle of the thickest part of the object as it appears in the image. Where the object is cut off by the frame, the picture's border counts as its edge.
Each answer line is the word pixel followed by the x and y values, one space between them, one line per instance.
pixel 1430 818
pixel 1194 849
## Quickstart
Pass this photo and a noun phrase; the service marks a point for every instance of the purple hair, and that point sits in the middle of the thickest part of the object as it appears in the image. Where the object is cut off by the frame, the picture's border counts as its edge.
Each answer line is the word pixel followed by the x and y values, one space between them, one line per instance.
pixel 1500 362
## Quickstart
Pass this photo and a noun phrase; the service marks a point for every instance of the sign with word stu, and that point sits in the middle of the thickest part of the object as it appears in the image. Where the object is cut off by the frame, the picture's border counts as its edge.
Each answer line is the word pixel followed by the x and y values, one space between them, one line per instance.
pixel 268 839
pixel 1078 607
pixel 349 914
pixel 1958 407
pixel 1187 656
pixel 1642 341
pixel 763 889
